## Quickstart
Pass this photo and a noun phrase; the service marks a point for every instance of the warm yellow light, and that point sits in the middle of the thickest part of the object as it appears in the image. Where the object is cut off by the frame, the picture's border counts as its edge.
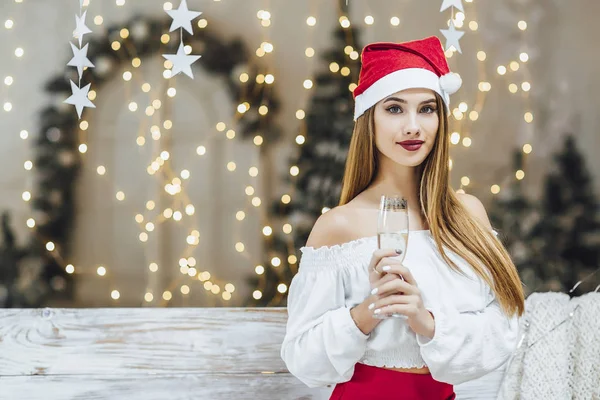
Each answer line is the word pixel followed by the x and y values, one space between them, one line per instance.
pixel 282 288
pixel 167 295
pixel 115 294
pixel 522 25
pixel 513 88
pixel 528 117
pixel 465 181
pixel 239 247
pixel 344 22
pixel 481 56
pixel 259 270
pixel 520 174
pixel 473 115
pixel 287 229
pixel 240 215
pixel 294 170
pixel 286 199
pixel 455 138
pixel 395 21
pixel 466 142
pixel 514 66
pixel 524 57
pixel 257 294
pixel 311 21
pixel 495 189
pixel 309 52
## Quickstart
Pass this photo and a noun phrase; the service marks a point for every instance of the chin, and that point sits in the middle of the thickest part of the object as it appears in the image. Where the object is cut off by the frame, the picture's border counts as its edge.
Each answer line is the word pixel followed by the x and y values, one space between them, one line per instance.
pixel 412 162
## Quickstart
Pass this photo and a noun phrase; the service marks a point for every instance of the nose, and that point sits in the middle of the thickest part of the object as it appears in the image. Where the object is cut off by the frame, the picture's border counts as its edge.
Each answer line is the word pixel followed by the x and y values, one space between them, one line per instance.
pixel 412 126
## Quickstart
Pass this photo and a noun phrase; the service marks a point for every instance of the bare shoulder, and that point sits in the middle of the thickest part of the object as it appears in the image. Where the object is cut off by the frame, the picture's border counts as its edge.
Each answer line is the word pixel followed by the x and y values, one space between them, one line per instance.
pixel 475 207
pixel 331 228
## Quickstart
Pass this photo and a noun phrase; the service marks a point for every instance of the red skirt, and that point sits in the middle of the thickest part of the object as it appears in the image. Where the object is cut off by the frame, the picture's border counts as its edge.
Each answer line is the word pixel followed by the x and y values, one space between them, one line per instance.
pixel 375 383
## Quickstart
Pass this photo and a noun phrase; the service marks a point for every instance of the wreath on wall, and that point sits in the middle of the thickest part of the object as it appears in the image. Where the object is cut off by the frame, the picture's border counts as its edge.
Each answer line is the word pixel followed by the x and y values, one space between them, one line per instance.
pixel 32 274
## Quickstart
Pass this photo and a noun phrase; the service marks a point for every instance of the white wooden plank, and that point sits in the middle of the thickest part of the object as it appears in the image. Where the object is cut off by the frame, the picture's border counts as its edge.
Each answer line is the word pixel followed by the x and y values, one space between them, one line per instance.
pixel 133 340
pixel 159 387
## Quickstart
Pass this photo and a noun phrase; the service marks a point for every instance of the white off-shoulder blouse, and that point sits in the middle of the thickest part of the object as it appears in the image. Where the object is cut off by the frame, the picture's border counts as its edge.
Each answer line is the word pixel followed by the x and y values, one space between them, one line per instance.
pixel 473 337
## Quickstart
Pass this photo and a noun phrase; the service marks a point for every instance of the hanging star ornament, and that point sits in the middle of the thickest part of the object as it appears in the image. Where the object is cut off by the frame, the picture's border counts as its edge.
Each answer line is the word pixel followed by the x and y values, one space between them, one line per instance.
pixel 80 98
pixel 80 59
pixel 182 17
pixel 81 29
pixel 181 62
pixel 452 37
pixel 452 3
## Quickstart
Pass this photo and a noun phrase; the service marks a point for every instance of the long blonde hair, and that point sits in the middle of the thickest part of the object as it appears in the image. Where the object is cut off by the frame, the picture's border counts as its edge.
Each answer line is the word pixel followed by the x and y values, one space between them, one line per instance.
pixel 451 224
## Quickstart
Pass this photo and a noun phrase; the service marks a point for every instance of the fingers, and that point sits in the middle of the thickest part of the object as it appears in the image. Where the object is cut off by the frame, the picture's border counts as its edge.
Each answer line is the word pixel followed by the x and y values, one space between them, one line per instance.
pixel 394 267
pixel 408 310
pixel 379 254
pixel 395 304
pixel 395 286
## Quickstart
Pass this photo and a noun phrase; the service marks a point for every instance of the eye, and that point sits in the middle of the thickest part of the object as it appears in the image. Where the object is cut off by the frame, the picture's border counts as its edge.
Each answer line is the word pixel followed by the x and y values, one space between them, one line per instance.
pixel 428 109
pixel 394 108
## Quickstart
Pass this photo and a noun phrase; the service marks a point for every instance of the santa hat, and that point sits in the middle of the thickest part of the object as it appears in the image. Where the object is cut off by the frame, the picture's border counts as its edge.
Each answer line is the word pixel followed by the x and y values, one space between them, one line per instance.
pixel 388 68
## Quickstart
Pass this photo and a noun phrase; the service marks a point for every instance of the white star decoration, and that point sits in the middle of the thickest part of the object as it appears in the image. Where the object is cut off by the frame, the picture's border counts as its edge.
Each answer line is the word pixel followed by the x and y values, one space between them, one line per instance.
pixel 80 59
pixel 80 98
pixel 181 62
pixel 452 37
pixel 182 17
pixel 452 3
pixel 81 29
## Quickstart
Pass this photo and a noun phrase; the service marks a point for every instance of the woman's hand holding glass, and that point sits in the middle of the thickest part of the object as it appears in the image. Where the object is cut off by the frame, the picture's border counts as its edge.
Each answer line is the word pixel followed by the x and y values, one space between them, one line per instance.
pixel 394 291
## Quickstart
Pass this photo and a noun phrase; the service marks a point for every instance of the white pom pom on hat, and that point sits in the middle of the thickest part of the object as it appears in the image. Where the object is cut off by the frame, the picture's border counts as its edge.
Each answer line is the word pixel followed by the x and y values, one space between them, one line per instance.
pixel 388 68
pixel 451 82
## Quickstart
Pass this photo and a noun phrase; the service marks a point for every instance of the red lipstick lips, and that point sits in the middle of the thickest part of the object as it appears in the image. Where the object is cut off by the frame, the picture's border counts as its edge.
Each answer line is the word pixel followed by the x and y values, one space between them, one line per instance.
pixel 411 145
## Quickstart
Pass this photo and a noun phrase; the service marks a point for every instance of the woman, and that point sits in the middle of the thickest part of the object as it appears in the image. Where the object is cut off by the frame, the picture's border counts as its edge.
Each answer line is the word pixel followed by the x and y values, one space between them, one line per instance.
pixel 457 286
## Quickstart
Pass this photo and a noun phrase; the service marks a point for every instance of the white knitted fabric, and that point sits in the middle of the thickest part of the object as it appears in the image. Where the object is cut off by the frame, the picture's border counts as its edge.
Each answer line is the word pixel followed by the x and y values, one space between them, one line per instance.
pixel 559 357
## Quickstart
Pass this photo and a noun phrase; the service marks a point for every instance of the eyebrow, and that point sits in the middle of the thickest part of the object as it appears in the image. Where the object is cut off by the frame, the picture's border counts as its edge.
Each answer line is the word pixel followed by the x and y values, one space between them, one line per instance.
pixel 399 100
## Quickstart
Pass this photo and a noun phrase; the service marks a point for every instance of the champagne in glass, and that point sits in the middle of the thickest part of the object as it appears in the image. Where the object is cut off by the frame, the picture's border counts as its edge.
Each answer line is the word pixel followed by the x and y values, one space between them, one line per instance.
pixel 392 230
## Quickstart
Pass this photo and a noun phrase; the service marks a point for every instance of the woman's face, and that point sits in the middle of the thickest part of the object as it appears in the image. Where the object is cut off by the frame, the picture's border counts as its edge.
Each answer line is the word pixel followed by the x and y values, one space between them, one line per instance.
pixel 406 125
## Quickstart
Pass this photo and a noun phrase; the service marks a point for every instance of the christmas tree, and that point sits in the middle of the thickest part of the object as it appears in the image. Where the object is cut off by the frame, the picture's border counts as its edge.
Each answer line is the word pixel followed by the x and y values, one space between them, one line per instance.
pixel 513 215
pixel 565 242
pixel 328 125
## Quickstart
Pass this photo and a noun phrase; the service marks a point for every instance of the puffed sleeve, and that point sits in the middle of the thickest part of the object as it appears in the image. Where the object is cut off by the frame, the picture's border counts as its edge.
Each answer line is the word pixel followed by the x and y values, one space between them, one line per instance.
pixel 468 345
pixel 322 343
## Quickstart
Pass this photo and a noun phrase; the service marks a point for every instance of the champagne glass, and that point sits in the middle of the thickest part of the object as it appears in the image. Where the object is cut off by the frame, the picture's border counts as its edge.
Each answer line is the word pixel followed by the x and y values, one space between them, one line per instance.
pixel 392 231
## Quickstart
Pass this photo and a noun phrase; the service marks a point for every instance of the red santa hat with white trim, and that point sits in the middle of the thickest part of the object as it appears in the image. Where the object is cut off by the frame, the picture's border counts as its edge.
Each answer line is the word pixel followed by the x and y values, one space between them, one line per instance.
pixel 388 68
